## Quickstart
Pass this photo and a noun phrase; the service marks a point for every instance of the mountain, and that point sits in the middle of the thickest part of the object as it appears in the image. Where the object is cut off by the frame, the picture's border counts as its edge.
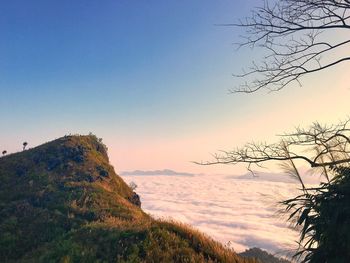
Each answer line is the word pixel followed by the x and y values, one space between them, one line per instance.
pixel 167 172
pixel 262 255
pixel 280 177
pixel 63 202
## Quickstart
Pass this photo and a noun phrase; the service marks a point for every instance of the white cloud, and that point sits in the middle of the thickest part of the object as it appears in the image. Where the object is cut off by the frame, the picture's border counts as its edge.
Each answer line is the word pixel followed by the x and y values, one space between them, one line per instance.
pixel 236 210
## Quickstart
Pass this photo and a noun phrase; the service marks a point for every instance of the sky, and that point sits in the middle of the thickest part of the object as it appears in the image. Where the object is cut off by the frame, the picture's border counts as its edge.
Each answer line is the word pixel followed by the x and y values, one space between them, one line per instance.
pixel 149 77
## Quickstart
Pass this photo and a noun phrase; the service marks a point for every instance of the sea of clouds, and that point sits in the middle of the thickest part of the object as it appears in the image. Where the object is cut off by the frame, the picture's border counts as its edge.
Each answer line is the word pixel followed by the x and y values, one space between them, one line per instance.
pixel 241 211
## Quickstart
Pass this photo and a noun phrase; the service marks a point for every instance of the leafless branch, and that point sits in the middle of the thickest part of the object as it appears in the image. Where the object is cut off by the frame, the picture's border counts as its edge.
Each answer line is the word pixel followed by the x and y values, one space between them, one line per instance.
pixel 318 146
pixel 294 34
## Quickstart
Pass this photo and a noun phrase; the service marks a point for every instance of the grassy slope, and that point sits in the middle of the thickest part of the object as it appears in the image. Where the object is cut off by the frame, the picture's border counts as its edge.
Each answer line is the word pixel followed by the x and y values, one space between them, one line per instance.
pixel 63 202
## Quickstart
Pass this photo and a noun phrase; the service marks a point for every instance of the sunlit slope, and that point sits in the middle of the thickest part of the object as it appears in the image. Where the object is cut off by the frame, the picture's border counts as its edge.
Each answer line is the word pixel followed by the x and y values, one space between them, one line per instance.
pixel 63 202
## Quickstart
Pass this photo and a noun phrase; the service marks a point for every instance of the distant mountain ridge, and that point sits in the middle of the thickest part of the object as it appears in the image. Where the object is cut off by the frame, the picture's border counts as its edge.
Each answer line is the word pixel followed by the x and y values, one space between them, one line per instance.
pixel 157 172
pixel 262 255
pixel 278 177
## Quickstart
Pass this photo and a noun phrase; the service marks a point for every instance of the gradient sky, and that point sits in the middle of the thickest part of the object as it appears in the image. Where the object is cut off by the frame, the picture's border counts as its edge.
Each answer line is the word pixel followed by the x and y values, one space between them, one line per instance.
pixel 149 77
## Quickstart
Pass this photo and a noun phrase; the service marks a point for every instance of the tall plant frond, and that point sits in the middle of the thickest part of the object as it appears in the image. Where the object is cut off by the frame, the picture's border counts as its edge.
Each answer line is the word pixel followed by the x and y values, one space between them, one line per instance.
pixel 324 169
pixel 289 166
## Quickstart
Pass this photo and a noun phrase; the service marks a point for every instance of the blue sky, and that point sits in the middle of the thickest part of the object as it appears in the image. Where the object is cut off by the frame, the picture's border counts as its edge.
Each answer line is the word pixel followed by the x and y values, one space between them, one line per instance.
pixel 114 59
pixel 140 74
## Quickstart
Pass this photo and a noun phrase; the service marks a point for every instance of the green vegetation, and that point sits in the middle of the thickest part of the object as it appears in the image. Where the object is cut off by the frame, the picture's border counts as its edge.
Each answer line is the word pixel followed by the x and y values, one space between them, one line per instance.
pixel 63 202
pixel 323 213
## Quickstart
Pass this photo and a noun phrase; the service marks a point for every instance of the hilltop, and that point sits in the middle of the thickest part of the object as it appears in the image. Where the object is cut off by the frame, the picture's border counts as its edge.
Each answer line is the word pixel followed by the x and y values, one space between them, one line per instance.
pixel 63 202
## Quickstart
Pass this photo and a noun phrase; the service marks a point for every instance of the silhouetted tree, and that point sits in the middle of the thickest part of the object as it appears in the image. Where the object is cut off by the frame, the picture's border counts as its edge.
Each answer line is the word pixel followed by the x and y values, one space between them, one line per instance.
pixel 320 146
pixel 296 37
pixel 4 152
pixel 24 145
pixel 299 38
pixel 323 213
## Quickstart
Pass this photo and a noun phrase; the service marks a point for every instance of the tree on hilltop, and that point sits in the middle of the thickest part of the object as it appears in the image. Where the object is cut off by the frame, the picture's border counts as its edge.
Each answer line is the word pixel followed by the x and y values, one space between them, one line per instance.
pixel 24 145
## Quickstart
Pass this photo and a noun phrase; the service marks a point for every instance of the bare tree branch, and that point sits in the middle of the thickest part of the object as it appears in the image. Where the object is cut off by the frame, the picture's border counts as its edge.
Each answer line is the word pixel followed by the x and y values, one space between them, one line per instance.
pixel 318 146
pixel 294 34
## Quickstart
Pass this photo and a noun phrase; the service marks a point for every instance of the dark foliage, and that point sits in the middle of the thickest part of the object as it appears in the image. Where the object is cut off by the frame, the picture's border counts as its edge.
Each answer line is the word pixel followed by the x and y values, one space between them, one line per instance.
pixel 323 213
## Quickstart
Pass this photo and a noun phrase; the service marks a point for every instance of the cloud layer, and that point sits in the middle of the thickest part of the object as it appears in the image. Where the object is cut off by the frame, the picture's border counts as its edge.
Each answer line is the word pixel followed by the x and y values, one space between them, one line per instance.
pixel 243 212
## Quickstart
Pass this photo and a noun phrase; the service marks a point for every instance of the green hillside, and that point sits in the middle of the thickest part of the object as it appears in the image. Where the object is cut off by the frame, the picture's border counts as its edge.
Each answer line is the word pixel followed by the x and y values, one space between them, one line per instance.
pixel 63 202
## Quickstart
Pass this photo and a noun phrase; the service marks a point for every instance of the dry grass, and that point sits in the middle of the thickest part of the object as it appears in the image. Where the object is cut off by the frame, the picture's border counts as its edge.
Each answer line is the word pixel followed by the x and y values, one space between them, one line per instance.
pixel 63 202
